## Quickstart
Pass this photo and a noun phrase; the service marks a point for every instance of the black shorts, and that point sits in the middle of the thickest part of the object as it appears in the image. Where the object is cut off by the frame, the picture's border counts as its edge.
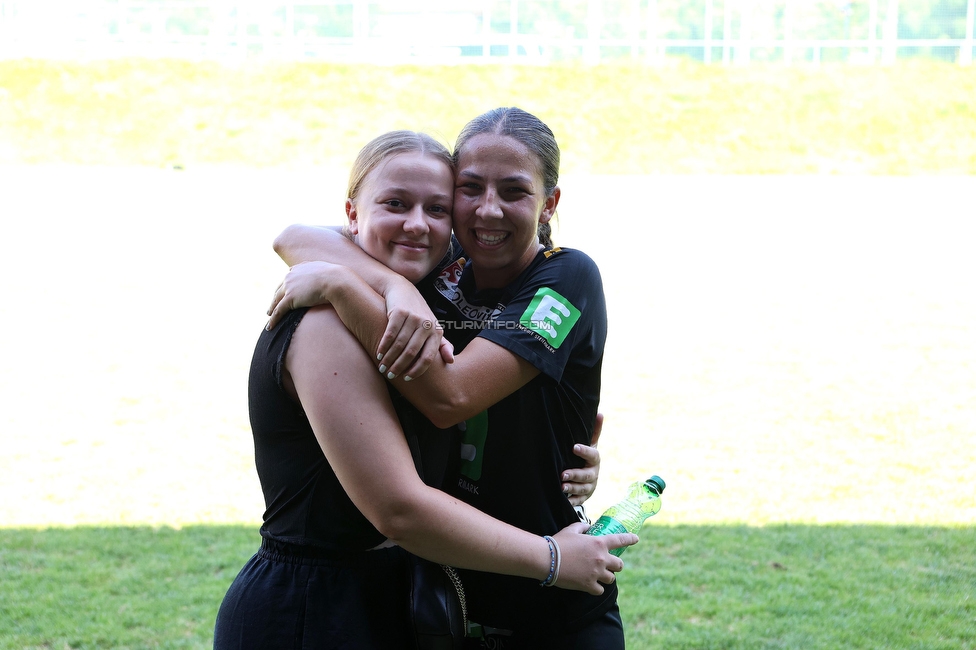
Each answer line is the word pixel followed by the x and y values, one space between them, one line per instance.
pixel 289 596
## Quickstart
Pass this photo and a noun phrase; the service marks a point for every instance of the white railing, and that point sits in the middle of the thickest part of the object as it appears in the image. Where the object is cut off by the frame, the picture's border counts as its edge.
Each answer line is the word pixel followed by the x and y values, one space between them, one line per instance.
pixel 450 31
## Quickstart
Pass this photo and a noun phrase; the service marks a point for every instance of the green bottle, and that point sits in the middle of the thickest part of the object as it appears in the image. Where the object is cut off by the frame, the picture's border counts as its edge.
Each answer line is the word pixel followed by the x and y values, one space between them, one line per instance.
pixel 627 516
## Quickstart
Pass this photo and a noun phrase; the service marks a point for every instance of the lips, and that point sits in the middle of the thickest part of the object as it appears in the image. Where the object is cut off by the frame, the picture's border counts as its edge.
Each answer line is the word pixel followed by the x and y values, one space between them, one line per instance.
pixel 491 237
pixel 412 246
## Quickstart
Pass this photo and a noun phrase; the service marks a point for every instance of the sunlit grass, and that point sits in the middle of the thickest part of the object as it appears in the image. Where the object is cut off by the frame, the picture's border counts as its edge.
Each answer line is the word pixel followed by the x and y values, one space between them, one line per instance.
pixel 786 331
pixel 679 118
pixel 775 365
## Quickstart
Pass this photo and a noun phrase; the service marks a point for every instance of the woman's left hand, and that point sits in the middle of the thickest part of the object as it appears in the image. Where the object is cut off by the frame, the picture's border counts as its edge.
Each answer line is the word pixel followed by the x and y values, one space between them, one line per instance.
pixel 303 286
pixel 579 484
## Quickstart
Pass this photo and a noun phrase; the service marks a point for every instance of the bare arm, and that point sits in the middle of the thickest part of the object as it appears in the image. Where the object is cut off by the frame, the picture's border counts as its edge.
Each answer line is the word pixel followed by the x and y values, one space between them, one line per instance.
pixel 448 392
pixel 300 243
pixel 410 339
pixel 357 303
pixel 347 403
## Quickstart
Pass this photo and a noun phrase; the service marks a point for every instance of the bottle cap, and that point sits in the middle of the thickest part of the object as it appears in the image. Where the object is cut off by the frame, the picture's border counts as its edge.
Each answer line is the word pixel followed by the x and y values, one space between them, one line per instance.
pixel 657 482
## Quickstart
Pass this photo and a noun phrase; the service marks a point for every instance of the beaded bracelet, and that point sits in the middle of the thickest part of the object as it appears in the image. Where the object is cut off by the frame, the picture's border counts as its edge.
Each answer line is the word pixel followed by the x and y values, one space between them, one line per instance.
pixel 559 557
pixel 554 562
pixel 551 578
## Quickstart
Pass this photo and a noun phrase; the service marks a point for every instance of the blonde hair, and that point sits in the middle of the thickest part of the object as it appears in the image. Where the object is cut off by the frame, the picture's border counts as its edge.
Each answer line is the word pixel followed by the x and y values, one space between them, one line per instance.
pixel 390 144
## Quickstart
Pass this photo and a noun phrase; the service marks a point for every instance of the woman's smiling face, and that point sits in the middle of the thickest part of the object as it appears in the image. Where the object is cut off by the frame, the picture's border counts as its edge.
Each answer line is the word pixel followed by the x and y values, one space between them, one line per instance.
pixel 402 215
pixel 499 202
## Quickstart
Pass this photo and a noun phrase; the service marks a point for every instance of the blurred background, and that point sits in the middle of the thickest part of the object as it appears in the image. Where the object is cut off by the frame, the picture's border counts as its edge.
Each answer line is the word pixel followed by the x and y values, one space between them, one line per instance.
pixel 467 31
pixel 780 196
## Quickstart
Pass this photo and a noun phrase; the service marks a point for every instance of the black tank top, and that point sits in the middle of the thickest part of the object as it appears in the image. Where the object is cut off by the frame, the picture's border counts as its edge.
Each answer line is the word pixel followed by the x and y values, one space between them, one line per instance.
pixel 305 503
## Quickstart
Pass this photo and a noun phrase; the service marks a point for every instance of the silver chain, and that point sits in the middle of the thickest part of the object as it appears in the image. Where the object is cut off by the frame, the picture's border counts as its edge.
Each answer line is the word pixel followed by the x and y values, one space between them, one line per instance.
pixel 459 588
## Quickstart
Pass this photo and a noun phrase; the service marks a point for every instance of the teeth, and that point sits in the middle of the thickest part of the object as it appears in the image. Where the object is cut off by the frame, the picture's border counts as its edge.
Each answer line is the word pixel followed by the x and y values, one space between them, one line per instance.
pixel 486 238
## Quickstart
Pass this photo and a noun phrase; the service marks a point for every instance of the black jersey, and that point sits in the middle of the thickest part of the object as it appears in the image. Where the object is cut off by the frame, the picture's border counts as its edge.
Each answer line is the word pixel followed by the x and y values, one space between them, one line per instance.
pixel 512 455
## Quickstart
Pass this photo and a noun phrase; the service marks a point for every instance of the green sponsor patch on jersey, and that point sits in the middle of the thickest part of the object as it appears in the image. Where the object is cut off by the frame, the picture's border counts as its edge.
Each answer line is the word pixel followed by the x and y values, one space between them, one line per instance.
pixel 551 315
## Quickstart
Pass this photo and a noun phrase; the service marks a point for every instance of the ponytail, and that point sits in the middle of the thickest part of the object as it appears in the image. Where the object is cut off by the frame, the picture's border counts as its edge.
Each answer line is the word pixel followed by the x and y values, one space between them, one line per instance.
pixel 545 235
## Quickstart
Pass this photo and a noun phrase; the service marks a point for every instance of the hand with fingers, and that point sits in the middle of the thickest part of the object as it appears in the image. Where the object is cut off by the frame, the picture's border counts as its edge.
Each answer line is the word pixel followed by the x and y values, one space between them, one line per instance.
pixel 585 565
pixel 304 286
pixel 579 484
pixel 413 338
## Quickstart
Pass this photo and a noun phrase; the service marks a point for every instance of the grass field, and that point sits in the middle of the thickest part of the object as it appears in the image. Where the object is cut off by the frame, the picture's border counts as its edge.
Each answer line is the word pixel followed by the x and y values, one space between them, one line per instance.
pixel 794 352
pixel 679 118
pixel 700 586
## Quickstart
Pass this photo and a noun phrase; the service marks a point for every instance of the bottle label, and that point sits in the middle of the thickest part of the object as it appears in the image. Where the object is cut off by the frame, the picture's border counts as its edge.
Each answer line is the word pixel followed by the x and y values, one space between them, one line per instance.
pixel 606 526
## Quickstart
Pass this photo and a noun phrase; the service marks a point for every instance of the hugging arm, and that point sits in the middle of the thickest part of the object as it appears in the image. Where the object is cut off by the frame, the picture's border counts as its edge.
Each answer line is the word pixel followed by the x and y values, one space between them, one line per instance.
pixel 301 243
pixel 482 376
pixel 579 484
pixel 447 393
pixel 410 339
pixel 348 406
pixel 360 306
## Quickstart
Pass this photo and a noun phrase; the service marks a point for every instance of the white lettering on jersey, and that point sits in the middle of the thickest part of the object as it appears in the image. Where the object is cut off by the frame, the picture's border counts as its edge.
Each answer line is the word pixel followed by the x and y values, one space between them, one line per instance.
pixel 447 285
pixel 545 315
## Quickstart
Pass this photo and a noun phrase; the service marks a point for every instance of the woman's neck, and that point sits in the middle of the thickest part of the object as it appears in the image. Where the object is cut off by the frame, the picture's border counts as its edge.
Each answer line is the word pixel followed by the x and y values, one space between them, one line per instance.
pixel 486 277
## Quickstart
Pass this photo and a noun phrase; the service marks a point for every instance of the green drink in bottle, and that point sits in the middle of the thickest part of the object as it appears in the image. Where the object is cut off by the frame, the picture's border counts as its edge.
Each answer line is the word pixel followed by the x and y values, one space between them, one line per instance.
pixel 627 516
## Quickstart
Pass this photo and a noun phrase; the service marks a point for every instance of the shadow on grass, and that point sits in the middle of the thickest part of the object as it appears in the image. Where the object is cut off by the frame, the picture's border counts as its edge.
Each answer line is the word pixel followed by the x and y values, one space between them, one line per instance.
pixel 784 586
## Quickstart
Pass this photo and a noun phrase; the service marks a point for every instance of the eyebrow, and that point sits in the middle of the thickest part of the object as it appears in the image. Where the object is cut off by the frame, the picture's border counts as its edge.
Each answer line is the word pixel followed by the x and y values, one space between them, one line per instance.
pixel 403 190
pixel 517 178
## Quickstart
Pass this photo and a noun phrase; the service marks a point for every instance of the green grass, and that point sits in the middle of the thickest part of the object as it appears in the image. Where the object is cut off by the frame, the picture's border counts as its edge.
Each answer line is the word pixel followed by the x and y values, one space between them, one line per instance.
pixel 685 587
pixel 790 586
pixel 116 587
pixel 681 118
